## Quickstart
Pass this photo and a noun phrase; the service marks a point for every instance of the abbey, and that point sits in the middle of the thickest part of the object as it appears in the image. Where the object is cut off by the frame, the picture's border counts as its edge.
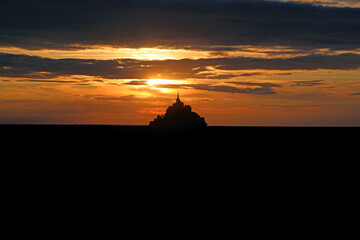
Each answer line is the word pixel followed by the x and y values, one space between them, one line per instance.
pixel 179 115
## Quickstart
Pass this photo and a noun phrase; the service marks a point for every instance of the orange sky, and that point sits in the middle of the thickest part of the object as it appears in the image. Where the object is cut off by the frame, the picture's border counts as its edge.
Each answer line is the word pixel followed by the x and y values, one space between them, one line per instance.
pixel 303 97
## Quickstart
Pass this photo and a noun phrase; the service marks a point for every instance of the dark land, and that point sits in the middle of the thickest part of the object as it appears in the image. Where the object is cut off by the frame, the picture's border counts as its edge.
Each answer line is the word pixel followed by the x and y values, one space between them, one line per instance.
pixel 253 172
pixel 168 143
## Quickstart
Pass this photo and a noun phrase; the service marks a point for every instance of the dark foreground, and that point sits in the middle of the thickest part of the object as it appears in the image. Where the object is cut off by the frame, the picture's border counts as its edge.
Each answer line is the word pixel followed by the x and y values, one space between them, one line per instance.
pixel 224 142
pixel 216 174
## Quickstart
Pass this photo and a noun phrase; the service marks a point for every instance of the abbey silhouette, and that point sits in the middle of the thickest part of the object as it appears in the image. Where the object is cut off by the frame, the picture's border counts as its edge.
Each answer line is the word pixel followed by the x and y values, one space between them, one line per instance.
pixel 179 115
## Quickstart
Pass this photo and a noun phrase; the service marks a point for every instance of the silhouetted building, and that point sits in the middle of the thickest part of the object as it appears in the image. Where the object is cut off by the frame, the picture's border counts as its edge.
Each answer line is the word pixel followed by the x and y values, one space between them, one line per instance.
pixel 179 115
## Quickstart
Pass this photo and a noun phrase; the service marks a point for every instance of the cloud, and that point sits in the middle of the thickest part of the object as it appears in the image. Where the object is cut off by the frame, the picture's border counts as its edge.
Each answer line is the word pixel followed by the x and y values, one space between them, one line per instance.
pixel 340 3
pixel 48 81
pixel 43 69
pixel 260 88
pixel 230 89
pixel 355 94
pixel 136 82
pixel 38 67
pixel 312 62
pixel 125 98
pixel 260 84
pixel 309 83
pixel 74 24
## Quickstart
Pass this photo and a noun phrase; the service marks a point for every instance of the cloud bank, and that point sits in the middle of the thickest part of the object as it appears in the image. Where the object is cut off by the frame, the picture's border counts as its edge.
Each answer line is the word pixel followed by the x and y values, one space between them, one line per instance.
pixel 182 24
pixel 24 66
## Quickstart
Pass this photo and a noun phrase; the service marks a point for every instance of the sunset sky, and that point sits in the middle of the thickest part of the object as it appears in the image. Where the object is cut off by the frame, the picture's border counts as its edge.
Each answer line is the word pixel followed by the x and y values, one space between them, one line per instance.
pixel 236 62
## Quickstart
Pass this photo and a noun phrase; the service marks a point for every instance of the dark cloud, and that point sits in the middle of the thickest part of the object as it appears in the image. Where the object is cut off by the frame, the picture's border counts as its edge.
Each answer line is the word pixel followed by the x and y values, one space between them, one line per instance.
pixel 250 74
pixel 353 3
pixel 49 81
pixel 230 89
pixel 125 98
pixel 136 82
pixel 261 84
pixel 38 67
pixel 355 94
pixel 32 67
pixel 114 98
pixel 264 89
pixel 312 62
pixel 183 23
pixel 309 83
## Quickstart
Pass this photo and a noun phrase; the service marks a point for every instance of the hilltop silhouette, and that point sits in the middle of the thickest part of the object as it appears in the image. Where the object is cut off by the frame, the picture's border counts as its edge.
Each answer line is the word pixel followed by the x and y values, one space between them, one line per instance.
pixel 178 115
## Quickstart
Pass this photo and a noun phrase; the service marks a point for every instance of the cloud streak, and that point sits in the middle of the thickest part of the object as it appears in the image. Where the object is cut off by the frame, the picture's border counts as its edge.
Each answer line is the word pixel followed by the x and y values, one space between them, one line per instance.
pixel 32 67
pixel 251 88
pixel 309 83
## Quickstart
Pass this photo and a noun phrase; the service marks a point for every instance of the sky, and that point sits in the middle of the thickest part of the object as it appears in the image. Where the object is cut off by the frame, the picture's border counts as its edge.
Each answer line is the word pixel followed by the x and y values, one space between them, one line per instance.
pixel 236 62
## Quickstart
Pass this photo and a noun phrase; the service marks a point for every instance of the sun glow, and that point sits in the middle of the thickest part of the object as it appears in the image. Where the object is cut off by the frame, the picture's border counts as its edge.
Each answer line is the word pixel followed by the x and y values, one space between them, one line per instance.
pixel 157 84
pixel 154 82
pixel 162 54
pixel 109 52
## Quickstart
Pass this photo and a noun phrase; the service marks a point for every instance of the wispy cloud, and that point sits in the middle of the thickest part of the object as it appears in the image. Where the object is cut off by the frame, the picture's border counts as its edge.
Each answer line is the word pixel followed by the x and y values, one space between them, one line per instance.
pixel 251 88
pixel 308 83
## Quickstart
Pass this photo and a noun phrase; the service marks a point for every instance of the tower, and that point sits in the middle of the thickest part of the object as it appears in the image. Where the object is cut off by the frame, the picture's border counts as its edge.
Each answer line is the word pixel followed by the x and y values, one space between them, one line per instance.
pixel 178 98
pixel 178 103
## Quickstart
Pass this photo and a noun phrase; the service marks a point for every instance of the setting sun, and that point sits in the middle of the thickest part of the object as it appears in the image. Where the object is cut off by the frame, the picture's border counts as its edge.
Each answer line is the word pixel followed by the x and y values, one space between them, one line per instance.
pixel 153 82
pixel 163 84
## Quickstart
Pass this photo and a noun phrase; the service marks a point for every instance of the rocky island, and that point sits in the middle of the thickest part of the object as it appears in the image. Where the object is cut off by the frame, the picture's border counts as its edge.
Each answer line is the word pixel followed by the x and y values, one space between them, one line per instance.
pixel 179 115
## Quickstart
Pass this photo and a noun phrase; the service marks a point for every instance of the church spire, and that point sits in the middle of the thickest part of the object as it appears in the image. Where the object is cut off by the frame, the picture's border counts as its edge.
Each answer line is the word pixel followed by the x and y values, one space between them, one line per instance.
pixel 178 101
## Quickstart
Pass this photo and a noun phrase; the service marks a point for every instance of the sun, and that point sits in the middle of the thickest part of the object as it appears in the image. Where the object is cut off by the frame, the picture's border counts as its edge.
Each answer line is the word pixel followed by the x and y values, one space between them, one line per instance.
pixel 154 82
pixel 164 85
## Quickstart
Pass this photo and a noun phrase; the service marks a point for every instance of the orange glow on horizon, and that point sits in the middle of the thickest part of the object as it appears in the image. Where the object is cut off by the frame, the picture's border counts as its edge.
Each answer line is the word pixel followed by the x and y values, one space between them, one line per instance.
pixel 109 52
pixel 162 53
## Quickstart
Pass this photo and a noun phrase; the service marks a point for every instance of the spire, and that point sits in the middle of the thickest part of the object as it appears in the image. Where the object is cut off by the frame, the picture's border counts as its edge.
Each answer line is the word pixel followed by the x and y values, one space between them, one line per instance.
pixel 178 101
